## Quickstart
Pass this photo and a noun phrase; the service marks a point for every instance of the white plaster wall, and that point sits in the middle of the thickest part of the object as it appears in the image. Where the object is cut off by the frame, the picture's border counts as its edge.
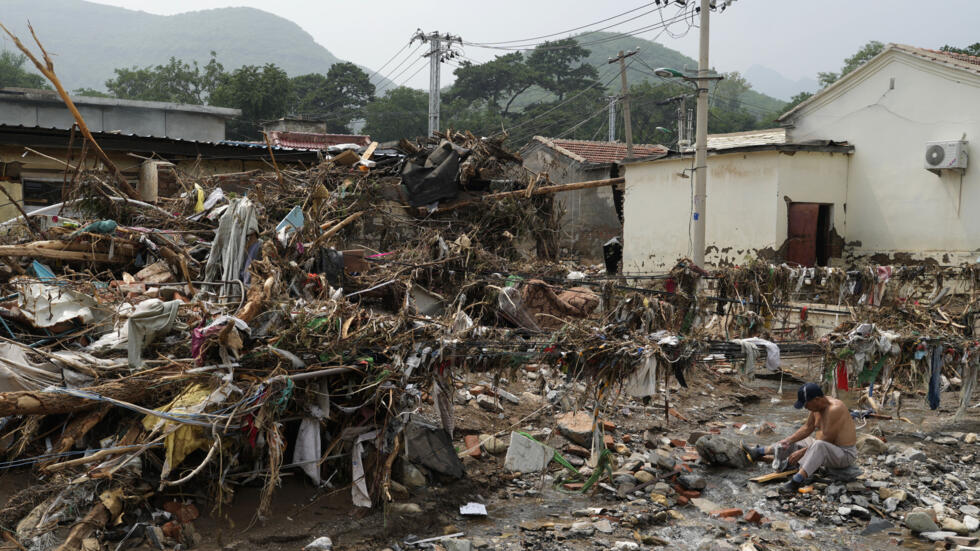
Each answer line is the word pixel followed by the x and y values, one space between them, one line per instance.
pixel 741 210
pixel 812 177
pixel 888 114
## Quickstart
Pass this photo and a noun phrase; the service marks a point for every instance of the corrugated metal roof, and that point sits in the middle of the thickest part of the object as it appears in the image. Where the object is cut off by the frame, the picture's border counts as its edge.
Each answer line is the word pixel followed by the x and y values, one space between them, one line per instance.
pixel 310 140
pixel 732 140
pixel 585 151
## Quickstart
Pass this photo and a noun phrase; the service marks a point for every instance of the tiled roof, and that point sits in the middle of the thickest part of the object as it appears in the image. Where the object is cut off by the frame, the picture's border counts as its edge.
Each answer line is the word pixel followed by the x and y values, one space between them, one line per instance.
pixel 309 140
pixel 963 61
pixel 585 151
pixel 769 136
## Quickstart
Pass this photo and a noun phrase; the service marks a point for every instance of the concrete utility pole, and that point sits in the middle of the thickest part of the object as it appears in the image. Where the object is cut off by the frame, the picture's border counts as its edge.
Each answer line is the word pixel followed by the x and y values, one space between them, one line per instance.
pixel 621 58
pixel 681 120
pixel 437 54
pixel 701 141
pixel 612 118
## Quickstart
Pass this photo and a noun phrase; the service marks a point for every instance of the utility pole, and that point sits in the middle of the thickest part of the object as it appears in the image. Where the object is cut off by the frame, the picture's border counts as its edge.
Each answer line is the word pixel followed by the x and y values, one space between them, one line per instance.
pixel 612 118
pixel 437 54
pixel 681 122
pixel 701 141
pixel 621 58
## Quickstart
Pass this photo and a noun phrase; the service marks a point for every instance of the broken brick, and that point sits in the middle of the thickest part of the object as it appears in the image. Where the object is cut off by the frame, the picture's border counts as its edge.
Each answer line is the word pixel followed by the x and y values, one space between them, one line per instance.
pixel 574 486
pixel 608 441
pixel 579 451
pixel 677 443
pixel 471 443
pixel 682 500
pixel 609 426
pixel 627 439
pixel 727 513
pixel 753 516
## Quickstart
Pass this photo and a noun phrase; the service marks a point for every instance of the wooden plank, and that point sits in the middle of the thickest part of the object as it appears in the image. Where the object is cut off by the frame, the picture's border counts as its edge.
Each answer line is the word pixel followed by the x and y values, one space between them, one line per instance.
pixel 774 476
pixel 369 151
pixel 40 252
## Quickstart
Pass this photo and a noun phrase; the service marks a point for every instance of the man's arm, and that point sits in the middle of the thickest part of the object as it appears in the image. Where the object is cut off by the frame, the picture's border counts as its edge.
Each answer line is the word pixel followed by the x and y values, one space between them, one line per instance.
pixel 806 430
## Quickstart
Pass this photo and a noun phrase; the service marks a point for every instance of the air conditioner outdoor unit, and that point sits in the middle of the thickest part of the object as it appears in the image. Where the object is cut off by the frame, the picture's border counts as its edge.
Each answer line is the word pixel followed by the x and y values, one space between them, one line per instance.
pixel 946 155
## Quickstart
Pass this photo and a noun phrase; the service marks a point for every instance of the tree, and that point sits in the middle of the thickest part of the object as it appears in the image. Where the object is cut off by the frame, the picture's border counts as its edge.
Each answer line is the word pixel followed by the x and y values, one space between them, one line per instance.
pixel 866 52
pixel 262 93
pixel 796 100
pixel 728 92
pixel 558 68
pixel 14 75
pixel 498 81
pixel 176 81
pixel 401 113
pixel 972 49
pixel 90 92
pixel 338 98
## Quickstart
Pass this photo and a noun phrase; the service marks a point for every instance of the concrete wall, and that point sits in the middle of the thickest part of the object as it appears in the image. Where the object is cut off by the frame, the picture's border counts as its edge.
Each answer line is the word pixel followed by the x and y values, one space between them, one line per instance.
pixel 888 112
pixel 143 120
pixel 590 217
pixel 747 198
pixel 295 125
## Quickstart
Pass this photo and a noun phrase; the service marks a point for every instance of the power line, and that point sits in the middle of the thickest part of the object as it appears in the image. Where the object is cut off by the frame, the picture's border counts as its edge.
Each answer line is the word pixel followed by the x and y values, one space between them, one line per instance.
pixel 409 56
pixel 573 29
pixel 392 58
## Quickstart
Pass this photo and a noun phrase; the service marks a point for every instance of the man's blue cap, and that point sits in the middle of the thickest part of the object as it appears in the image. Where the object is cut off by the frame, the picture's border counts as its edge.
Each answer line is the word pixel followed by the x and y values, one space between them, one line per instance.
pixel 806 393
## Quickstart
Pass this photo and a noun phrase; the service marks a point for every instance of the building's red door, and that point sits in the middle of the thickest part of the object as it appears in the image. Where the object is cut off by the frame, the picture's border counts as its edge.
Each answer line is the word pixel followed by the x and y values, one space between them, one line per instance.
pixel 802 238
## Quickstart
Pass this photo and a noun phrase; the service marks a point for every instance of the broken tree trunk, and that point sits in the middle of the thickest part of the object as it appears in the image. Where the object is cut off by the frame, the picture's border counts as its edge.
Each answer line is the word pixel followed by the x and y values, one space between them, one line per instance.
pixel 75 430
pixel 36 402
pixel 47 69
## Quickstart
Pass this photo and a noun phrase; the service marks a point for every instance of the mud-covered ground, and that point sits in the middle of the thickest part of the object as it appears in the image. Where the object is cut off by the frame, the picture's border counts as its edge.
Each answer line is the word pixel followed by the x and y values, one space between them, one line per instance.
pixel 530 511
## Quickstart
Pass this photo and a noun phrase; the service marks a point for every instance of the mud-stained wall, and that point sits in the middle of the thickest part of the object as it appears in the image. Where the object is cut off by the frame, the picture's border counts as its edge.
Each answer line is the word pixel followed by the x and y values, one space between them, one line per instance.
pixel 589 218
pixel 888 110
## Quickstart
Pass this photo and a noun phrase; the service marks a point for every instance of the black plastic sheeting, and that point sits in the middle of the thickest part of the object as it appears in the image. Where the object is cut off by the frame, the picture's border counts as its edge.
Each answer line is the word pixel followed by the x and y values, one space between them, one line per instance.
pixel 434 177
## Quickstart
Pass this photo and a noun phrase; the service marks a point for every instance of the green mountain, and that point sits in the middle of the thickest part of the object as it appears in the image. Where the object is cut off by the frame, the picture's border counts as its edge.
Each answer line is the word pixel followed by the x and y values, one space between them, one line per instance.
pixel 87 41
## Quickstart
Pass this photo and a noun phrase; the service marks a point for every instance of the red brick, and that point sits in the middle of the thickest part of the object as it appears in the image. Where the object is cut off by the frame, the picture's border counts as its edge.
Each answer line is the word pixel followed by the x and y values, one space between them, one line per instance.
pixel 690 457
pixel 690 494
pixel 753 516
pixel 609 426
pixel 477 390
pixel 608 440
pixel 627 439
pixel 677 443
pixel 682 500
pixel 715 431
pixel 727 513
pixel 472 443
pixel 574 486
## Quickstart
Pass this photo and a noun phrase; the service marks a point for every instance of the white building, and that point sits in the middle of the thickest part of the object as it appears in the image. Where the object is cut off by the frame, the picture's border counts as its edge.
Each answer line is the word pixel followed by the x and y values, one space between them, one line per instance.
pixel 846 181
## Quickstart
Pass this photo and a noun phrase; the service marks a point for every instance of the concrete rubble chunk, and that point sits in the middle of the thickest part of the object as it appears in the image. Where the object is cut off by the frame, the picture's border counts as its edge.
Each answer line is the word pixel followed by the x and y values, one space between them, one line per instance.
pixel 582 528
pixel 489 403
pixel 972 523
pixel 577 427
pixel 952 525
pixel 603 526
pixel 868 444
pixel 937 535
pixel 719 450
pixel 706 506
pixel 454 544
pixel 527 456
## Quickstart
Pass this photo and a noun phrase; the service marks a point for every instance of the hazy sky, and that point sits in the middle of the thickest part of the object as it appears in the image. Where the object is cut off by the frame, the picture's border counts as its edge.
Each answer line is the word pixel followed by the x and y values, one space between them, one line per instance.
pixel 797 38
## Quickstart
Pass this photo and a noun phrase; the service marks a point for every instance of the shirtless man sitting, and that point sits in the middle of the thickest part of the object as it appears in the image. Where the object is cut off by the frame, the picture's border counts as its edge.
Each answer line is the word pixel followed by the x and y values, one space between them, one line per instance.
pixel 833 446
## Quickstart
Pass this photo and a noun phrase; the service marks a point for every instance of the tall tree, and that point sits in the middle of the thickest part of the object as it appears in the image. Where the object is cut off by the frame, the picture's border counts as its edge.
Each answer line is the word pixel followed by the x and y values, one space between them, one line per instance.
pixel 262 93
pixel 14 75
pixel 175 81
pixel 493 83
pixel 866 52
pixel 559 69
pixel 401 113
pixel 337 98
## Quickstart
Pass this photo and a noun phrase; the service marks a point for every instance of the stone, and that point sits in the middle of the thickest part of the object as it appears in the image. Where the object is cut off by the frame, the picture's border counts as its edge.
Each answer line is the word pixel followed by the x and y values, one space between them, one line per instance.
pixel 412 476
pixel 718 450
pixel 489 403
pixel 579 451
pixel 625 546
pixel 856 486
pixel 952 525
pixel 910 454
pixel 695 436
pixel 603 526
pixel 891 504
pixel 918 521
pixel 896 493
pixel 453 544
pixel 860 512
pixel 692 481
pixel 844 511
pixel 577 427
pixel 659 499
pixel 643 476
pixel 508 396
pixel 971 523
pixel 970 438
pixel 870 445
pixel 704 505
pixel 527 456
pixel 582 528
pixel 875 526
pixel 493 445
pixel 781 526
pixel 937 535
pixel 971 510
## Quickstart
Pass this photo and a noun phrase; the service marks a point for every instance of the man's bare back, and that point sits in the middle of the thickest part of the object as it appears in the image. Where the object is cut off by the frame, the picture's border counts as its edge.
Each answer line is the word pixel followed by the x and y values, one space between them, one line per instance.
pixel 835 425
